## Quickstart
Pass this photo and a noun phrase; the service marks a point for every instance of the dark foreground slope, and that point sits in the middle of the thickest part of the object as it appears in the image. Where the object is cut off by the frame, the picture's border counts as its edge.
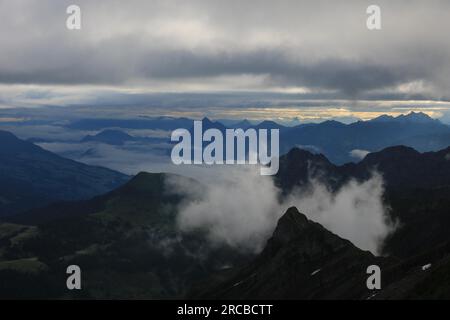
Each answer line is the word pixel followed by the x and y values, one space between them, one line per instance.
pixel 126 243
pixel 31 176
pixel 305 261
pixel 302 260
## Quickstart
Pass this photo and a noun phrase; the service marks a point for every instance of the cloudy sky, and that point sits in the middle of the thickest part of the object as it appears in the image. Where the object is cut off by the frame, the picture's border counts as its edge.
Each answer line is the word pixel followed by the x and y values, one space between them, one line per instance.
pixel 256 59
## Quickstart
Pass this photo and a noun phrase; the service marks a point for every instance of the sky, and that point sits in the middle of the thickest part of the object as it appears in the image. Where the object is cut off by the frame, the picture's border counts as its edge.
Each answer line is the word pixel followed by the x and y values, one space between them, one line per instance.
pixel 227 59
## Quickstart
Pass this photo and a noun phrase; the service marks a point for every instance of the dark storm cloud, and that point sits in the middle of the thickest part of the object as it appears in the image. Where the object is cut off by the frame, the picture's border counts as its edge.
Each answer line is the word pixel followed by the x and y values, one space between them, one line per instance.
pixel 228 45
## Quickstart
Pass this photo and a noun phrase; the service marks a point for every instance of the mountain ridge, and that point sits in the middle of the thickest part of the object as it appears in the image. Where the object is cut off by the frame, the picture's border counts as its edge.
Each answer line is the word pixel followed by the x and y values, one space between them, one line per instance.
pixel 32 176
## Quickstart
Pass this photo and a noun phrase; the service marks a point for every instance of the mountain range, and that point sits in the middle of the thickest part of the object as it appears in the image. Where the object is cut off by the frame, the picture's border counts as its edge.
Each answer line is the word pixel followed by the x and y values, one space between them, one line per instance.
pixel 337 140
pixel 129 245
pixel 118 138
pixel 31 176
pixel 340 143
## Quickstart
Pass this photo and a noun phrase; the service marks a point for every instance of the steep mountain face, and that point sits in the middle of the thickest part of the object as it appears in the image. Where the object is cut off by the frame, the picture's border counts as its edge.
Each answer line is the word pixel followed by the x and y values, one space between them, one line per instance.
pixel 401 167
pixel 423 277
pixel 298 167
pixel 302 260
pixel 31 176
pixel 417 190
pixel 126 242
pixel 405 168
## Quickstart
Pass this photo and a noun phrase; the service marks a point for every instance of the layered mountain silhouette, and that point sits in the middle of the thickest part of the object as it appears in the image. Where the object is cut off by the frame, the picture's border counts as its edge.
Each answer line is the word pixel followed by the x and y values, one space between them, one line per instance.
pixel 129 245
pixel 31 176
pixel 337 140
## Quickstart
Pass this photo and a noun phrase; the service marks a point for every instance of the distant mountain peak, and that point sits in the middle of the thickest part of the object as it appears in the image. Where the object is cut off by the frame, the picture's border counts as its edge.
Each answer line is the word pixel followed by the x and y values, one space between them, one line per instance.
pixel 393 151
pixel 268 124
pixel 207 120
pixel 243 124
pixel 332 122
pixel 109 136
pixel 10 144
pixel 32 176
pixel 415 117
pixel 301 154
pixel 382 118
pixel 298 249
pixel 7 135
pixel 113 131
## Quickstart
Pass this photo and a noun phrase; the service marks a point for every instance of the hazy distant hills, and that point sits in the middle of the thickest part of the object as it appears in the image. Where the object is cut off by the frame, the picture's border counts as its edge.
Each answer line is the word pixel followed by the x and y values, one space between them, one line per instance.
pixel 159 123
pixel 118 138
pixel 31 176
pixel 114 137
pixel 336 140
pixel 332 138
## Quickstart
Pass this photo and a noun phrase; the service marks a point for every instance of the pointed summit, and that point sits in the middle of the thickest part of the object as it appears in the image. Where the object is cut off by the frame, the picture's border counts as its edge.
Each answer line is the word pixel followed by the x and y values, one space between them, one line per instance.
pixel 382 118
pixel 416 117
pixel 302 260
pixel 412 117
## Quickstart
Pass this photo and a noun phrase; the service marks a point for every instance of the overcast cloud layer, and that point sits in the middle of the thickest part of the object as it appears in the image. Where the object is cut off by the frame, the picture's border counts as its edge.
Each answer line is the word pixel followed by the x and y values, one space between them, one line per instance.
pixel 183 45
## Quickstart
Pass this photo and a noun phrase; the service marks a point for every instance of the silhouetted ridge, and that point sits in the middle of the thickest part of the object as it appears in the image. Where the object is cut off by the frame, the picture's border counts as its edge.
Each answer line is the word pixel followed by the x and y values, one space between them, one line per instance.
pixel 302 260
pixel 290 225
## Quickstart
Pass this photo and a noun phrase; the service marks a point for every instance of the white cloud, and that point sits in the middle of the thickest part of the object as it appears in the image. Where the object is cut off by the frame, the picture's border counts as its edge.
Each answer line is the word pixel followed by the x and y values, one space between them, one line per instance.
pixel 355 212
pixel 359 154
pixel 216 45
pixel 240 208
